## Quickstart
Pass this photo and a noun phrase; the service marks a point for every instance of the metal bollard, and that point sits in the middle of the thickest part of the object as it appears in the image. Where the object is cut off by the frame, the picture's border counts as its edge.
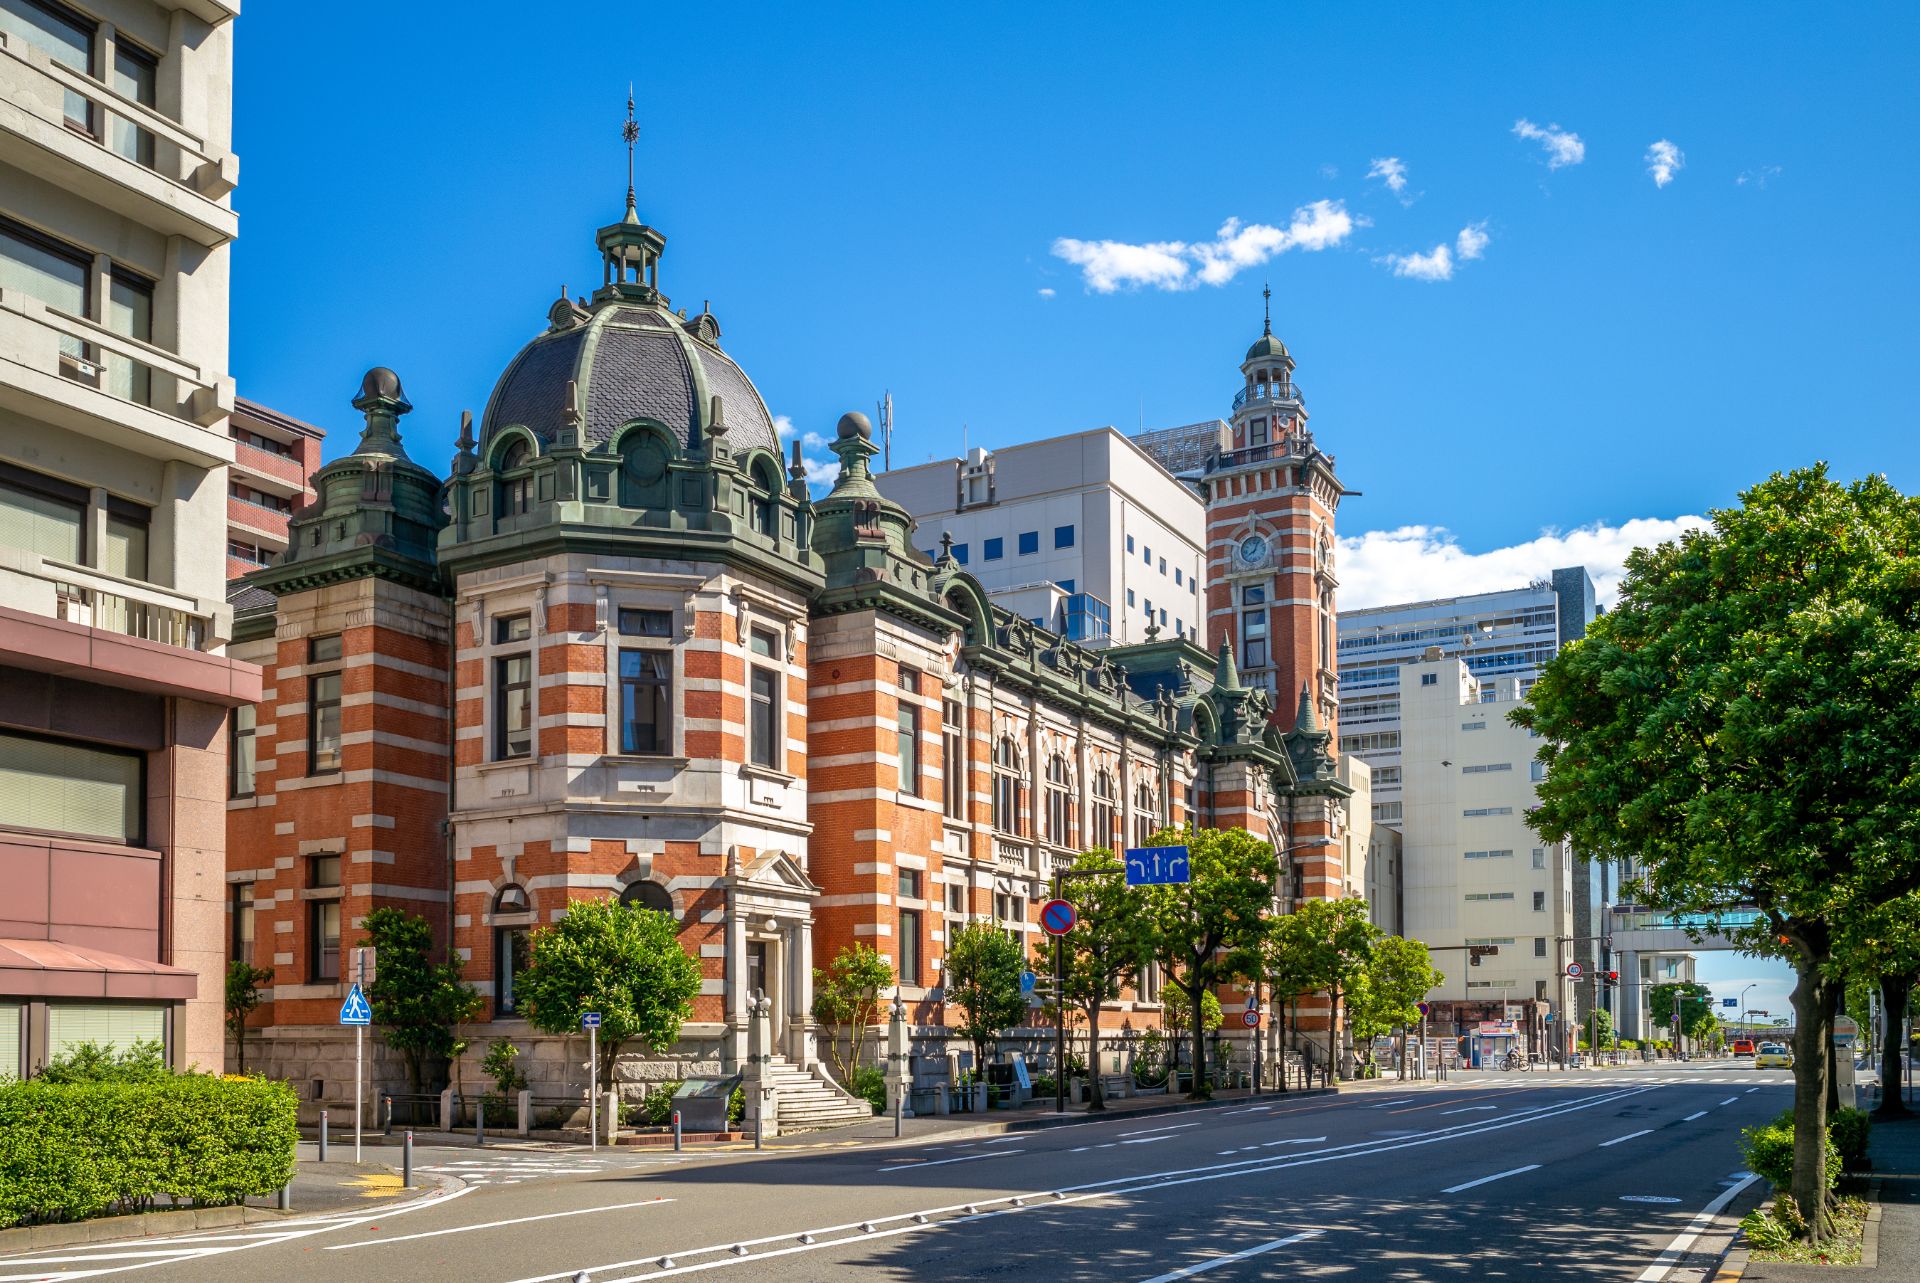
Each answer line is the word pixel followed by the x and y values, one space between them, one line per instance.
pixel 406 1160
pixel 676 1131
pixel 323 1135
pixel 480 1120
pixel 899 1111
pixel 388 1100
pixel 284 1198
pixel 759 1114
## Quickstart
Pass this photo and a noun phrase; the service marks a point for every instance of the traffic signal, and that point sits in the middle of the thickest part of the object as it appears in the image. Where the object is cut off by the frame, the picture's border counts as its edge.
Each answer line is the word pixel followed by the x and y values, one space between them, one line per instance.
pixel 1476 952
pixel 1613 977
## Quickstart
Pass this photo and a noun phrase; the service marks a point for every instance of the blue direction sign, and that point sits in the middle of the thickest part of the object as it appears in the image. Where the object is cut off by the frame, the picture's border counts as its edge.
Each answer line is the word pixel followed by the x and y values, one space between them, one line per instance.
pixel 1149 866
pixel 354 1011
pixel 1027 981
pixel 1057 917
pixel 589 1020
pixel 1729 1002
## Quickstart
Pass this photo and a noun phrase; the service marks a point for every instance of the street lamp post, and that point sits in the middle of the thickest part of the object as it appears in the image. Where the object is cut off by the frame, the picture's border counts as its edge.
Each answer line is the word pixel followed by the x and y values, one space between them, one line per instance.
pixel 1746 1026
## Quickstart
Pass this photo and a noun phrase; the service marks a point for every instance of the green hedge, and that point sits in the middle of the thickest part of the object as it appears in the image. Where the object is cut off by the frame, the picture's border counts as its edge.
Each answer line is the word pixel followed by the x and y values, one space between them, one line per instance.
pixel 69 1151
pixel 1768 1151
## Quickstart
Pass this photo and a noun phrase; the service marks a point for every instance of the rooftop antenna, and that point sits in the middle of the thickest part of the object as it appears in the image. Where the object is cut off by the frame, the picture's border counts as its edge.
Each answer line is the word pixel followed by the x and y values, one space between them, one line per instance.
pixel 631 133
pixel 886 431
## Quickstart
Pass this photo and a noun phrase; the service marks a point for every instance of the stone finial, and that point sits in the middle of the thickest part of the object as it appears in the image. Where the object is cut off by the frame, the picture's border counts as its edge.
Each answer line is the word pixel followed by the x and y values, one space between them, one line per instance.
pixel 382 401
pixel 464 458
pixel 716 416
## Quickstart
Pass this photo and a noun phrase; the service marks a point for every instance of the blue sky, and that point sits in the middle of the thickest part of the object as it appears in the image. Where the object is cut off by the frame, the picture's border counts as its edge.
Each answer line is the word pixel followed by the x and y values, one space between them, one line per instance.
pixel 948 202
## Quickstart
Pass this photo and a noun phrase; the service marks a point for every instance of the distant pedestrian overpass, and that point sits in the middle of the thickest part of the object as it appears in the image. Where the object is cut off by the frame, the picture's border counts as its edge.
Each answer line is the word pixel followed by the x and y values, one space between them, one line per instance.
pixel 1636 930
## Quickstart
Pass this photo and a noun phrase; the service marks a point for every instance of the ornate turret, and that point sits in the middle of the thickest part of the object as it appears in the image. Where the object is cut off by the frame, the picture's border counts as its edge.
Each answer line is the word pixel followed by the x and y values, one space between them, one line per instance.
pixel 866 539
pixel 629 249
pixel 1311 747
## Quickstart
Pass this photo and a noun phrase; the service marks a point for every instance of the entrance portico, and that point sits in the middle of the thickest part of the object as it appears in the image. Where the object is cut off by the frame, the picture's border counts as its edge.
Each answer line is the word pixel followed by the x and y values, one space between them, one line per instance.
pixel 770 951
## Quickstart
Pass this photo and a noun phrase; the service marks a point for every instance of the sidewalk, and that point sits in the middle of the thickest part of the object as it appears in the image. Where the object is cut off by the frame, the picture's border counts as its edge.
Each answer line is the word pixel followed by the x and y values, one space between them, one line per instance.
pixel 1892 1248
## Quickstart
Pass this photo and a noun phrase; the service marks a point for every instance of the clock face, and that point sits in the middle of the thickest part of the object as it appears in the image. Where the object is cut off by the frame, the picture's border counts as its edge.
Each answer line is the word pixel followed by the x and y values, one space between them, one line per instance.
pixel 1252 548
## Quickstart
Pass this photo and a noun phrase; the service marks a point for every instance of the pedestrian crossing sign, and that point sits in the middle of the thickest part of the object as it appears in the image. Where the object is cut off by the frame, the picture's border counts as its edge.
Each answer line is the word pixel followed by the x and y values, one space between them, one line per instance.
pixel 354 1011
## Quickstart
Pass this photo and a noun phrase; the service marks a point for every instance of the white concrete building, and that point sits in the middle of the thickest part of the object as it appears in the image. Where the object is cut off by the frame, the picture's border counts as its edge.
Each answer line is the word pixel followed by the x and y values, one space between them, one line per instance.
pixel 1085 533
pixel 116 173
pixel 1473 872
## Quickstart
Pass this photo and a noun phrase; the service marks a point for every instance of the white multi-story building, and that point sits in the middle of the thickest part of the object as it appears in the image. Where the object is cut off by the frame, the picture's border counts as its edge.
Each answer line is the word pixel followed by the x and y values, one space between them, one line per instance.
pixel 1472 872
pixel 116 218
pixel 1085 533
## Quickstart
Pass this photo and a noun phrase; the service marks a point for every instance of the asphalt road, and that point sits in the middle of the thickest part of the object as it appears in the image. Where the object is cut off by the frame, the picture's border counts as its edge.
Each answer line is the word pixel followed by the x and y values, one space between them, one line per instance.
pixel 1518 1176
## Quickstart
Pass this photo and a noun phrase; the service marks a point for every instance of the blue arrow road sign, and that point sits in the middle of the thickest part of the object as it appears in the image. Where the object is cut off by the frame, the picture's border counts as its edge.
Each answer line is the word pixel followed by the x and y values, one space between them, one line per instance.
pixel 1729 1002
pixel 354 1011
pixel 1027 980
pixel 1149 866
pixel 589 1020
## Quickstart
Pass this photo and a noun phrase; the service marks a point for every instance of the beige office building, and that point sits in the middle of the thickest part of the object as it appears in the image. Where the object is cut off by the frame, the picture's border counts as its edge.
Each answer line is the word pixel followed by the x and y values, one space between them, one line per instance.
pixel 116 218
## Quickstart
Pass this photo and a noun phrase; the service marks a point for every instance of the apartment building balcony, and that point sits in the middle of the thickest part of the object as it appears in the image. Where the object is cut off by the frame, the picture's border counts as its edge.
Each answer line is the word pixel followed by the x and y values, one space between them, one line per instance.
pixel 268 465
pixel 1285 450
pixel 213 12
pixel 109 149
pixel 268 525
pixel 83 623
pixel 78 373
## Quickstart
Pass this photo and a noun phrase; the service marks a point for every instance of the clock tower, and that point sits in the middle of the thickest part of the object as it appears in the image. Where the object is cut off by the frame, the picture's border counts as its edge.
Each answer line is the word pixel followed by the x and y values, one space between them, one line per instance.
pixel 1271 498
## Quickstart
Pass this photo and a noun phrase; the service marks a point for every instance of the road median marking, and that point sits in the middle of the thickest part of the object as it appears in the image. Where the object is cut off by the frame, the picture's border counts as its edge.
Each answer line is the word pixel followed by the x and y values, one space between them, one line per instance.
pixel 1690 1117
pixel 1617 1140
pixel 492 1225
pixel 1217 1261
pixel 1488 1180
pixel 942 1162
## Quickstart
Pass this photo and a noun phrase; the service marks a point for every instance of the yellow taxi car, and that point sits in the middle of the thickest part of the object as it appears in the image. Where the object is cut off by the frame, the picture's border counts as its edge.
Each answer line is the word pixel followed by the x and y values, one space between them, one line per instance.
pixel 1772 1056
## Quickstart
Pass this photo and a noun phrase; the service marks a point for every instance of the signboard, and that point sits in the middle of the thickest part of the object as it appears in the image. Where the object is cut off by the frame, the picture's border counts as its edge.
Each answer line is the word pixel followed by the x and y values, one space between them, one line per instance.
pixel 1729 1002
pixel 1027 981
pixel 1846 1031
pixel 1498 1027
pixel 1250 1017
pixel 1425 1008
pixel 1057 917
pixel 1575 971
pixel 1152 866
pixel 354 1011
pixel 1020 1072
pixel 364 959
pixel 589 1020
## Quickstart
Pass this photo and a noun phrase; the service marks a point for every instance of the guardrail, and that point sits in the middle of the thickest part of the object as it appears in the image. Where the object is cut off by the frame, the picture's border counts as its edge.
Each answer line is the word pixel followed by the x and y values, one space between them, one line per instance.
pixel 1267 392
pixel 94 599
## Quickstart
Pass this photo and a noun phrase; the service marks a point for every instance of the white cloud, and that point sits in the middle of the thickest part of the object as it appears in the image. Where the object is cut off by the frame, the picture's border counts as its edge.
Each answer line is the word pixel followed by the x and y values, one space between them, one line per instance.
pixel 1664 160
pixel 1390 170
pixel 1107 266
pixel 1757 177
pixel 819 472
pixel 1046 291
pixel 1438 263
pixel 1420 563
pixel 822 473
pixel 783 427
pixel 1563 146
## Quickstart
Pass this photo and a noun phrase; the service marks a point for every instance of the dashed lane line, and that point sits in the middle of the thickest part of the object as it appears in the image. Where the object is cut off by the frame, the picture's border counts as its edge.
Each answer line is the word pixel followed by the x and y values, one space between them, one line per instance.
pixel 1171 1275
pixel 942 1162
pixel 1690 1117
pixel 489 1225
pixel 1609 1144
pixel 1488 1180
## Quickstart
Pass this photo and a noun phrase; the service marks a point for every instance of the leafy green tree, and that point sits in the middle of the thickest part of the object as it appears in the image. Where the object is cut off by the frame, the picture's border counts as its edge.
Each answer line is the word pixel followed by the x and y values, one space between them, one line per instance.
pixel 1741 723
pixel 1385 994
pixel 848 992
pixel 1286 961
pixel 1207 931
pixel 1693 999
pixel 1176 1012
pixel 243 999
pixel 983 980
pixel 621 960
pixel 1703 1028
pixel 1323 945
pixel 416 1001
pixel 1882 952
pixel 1599 1029
pixel 1105 949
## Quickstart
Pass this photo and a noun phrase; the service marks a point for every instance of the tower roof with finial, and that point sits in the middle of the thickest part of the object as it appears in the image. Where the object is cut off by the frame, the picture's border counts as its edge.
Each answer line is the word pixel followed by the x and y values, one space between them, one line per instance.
pixel 1267 347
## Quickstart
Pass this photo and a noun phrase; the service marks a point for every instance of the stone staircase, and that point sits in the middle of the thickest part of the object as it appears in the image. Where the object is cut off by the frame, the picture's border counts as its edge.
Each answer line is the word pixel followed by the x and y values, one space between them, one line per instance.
pixel 805 1101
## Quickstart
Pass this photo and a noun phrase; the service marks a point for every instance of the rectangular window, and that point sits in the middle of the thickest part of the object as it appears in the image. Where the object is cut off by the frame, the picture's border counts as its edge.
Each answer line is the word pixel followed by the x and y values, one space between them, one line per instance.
pixel 512 706
pixel 1177 580
pixel 323 871
pixel 512 628
pixel 993 549
pixel 1149 610
pixel 1063 536
pixel 323 723
pixel 960 553
pixel 116 1026
pixel 954 761
pixel 1489 895
pixel 646 702
pixel 1146 554
pixel 910 947
pixel 1488 769
pixel 907 736
pixel 1129 543
pixel 1539 901
pixel 1490 855
pixel 1067 586
pixel 10 1066
pixel 763 717
pixel 40 514
pixel 324 650
pixel 1256 653
pixel 240 751
pixel 1131 600
pixel 956 898
pixel 323 941
pixel 1429 679
pixel 136 76
pixel 1163 565
pixel 240 914
pixel 1539 857
pixel 512 949
pixel 58 786
pixel 1539 946
pixel 645 623
pixel 1536 771
pixel 1479 811
pixel 1029 542
pixel 909 884
pixel 1469 726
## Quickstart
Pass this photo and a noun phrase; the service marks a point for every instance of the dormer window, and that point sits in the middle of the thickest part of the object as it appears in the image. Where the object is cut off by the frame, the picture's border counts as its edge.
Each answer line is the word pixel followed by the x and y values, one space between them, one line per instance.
pixel 515 491
pixel 760 501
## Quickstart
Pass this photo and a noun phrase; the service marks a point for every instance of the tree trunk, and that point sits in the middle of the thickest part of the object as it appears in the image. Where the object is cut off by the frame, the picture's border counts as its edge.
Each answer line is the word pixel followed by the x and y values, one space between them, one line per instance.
pixel 1280 1045
pixel 240 1037
pixel 1895 992
pixel 1813 1003
pixel 1096 1098
pixel 1333 1033
pixel 1199 1044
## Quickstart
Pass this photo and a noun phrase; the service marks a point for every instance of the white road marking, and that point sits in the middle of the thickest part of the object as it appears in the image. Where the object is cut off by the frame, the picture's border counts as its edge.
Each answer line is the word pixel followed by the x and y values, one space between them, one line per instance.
pixel 1485 1180
pixel 1002 1140
pixel 1383 1104
pixel 1683 1242
pixel 1250 1109
pixel 1467 1110
pixel 1690 1117
pixel 1304 1140
pixel 1647 1198
pixel 1729 1100
pixel 1145 1140
pixel 490 1225
pixel 1192 1270
pixel 1171 1127
pixel 942 1162
pixel 1607 1144
pixel 1751 1090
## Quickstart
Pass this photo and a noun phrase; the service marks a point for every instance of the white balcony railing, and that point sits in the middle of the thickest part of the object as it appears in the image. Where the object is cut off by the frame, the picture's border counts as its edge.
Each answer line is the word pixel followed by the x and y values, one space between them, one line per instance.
pixel 147 157
pixel 81 595
pixel 1012 852
pixel 128 369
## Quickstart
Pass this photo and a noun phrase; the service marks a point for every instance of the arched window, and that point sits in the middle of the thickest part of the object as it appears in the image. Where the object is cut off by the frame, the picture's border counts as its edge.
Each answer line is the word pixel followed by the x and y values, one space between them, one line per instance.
pixel 514 486
pixel 1008 787
pixel 512 928
pixel 1059 802
pixel 648 895
pixel 1146 813
pixel 1102 834
pixel 761 500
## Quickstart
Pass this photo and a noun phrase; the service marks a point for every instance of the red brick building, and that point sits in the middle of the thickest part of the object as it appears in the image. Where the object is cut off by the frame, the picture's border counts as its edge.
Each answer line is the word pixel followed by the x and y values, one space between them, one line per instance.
pixel 623 652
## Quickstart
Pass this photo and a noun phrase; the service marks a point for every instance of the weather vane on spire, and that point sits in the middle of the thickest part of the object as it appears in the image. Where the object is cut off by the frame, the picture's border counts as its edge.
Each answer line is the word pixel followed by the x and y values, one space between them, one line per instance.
pixel 1266 293
pixel 631 132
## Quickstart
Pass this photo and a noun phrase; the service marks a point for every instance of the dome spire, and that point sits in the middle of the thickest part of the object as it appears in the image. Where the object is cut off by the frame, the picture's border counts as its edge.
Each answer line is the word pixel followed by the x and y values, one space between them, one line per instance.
pixel 1266 289
pixel 631 133
pixel 629 249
